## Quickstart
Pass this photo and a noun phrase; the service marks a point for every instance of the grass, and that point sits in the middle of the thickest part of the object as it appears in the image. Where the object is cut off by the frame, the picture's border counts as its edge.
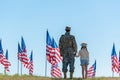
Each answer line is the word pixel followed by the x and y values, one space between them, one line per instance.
pixel 101 78
pixel 27 77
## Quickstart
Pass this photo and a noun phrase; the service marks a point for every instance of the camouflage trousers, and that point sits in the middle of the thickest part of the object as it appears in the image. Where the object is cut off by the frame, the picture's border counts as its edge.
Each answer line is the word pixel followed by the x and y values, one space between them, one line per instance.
pixel 68 61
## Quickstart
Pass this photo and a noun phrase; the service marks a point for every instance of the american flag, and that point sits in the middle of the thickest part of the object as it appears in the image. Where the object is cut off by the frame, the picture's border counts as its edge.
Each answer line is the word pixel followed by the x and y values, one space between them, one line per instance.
pixel 115 63
pixel 31 64
pixel 25 59
pixel 19 53
pixel 53 56
pixel 52 51
pixel 119 63
pixel 3 59
pixel 91 71
pixel 49 47
pixel 7 62
pixel 56 53
pixel 21 56
pixel 1 52
pixel 55 71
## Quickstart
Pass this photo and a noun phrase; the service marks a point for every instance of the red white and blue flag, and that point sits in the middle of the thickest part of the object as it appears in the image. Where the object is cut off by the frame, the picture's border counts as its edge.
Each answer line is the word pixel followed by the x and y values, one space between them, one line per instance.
pixel 48 47
pixel 114 59
pixel 3 60
pixel 19 53
pixel 55 53
pixel 52 50
pixel 91 72
pixel 22 53
pixel 55 71
pixel 6 62
pixel 1 52
pixel 56 58
pixel 25 59
pixel 31 64
pixel 119 63
pixel 53 56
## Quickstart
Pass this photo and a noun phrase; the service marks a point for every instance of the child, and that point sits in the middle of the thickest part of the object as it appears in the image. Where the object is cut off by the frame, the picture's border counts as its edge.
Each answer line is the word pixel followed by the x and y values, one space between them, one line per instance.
pixel 84 59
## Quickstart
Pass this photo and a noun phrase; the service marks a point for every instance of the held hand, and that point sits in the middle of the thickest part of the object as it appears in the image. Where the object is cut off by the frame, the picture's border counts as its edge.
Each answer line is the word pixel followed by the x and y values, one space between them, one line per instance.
pixel 77 55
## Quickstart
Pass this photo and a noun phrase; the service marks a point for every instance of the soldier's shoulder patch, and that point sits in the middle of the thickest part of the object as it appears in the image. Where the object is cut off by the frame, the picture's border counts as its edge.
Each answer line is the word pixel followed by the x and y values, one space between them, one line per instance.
pixel 62 35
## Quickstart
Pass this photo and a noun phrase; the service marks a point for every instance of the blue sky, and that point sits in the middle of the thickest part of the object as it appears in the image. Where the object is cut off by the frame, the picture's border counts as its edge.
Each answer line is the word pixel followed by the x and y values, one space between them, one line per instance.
pixel 95 22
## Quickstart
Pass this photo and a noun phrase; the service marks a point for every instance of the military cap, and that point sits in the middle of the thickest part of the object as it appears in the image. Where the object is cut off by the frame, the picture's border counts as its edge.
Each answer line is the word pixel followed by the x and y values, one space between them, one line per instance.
pixel 83 44
pixel 67 28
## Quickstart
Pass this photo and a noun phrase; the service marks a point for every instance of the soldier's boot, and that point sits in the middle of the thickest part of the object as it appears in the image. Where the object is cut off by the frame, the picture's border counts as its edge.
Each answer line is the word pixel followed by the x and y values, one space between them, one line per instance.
pixel 65 76
pixel 71 75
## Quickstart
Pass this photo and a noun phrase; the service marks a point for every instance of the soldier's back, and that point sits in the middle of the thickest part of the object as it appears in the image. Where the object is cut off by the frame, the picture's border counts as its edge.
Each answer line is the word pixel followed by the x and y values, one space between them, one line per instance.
pixel 67 41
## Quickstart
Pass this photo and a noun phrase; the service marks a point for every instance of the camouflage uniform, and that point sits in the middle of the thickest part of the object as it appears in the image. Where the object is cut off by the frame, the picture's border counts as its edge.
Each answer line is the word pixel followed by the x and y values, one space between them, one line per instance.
pixel 68 49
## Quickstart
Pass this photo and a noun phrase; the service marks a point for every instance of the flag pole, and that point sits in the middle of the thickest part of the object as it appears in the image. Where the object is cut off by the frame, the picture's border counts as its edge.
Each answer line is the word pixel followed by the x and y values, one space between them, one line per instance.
pixel 18 59
pixel 112 74
pixel 46 56
pixel 4 71
pixel 21 68
pixel 18 67
pixel 46 66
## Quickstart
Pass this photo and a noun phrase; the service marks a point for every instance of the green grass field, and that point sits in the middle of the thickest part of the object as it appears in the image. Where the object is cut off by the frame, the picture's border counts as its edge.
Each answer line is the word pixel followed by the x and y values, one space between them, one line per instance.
pixel 26 77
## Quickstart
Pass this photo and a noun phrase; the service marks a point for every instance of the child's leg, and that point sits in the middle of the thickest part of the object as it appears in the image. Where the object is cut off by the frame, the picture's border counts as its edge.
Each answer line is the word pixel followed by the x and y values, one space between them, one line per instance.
pixel 86 70
pixel 83 69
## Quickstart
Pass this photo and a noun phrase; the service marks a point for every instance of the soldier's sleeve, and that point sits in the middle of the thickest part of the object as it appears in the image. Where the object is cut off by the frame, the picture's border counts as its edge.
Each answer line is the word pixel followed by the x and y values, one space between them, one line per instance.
pixel 74 44
pixel 60 45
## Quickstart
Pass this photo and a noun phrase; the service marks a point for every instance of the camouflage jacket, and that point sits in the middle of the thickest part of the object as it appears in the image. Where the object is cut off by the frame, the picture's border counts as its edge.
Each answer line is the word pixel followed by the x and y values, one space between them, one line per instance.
pixel 67 43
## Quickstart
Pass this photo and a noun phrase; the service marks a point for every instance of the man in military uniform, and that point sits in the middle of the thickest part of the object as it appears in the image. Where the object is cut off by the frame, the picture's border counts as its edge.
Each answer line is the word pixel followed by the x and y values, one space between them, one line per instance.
pixel 68 49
